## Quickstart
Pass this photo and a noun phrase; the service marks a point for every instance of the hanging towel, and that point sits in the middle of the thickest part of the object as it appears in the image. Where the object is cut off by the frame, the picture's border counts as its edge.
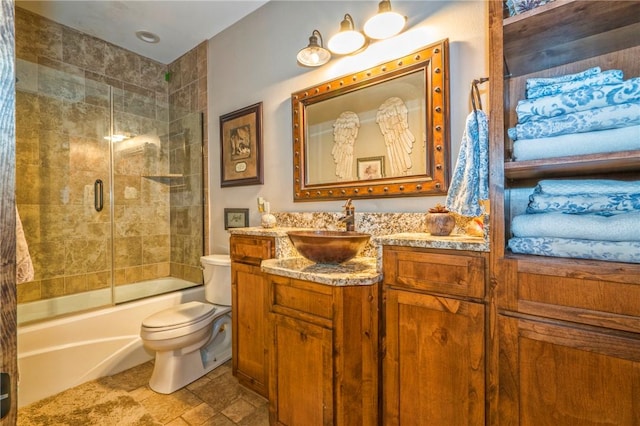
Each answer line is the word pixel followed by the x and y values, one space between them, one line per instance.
pixel 470 182
pixel 24 265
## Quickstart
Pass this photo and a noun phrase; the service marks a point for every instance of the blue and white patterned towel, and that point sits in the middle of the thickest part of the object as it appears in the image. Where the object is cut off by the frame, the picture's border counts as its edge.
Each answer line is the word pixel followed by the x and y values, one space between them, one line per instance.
pixel 620 227
pixel 610 117
pixel 605 77
pixel 579 100
pixel 470 181
pixel 603 204
pixel 546 81
pixel 612 251
pixel 586 186
pixel 600 141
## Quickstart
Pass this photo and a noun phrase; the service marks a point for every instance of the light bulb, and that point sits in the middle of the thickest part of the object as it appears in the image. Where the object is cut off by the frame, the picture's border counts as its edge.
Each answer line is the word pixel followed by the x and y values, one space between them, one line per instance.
pixel 346 42
pixel 384 25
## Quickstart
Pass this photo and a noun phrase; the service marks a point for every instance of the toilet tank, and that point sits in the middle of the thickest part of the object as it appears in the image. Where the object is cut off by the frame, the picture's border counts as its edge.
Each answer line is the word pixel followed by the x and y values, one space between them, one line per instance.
pixel 217 278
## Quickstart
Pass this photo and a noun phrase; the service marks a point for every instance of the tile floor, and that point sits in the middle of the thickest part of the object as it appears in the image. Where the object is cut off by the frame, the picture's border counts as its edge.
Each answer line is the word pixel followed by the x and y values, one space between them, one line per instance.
pixel 215 399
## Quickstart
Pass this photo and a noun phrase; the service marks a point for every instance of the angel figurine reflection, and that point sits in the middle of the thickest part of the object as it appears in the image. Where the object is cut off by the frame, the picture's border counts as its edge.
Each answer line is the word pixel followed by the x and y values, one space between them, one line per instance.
pixel 345 132
pixel 392 118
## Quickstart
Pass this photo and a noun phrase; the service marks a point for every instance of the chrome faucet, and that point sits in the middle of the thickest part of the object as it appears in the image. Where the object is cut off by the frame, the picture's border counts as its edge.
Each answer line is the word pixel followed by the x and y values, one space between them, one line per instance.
pixel 349 218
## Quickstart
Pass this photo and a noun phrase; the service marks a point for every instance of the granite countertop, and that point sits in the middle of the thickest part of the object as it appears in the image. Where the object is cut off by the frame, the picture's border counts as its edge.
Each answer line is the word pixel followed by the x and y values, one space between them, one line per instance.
pixel 425 240
pixel 357 271
pixel 362 270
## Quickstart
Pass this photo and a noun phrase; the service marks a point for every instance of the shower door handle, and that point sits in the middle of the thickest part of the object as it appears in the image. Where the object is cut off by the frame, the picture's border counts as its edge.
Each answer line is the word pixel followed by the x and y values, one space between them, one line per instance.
pixel 98 195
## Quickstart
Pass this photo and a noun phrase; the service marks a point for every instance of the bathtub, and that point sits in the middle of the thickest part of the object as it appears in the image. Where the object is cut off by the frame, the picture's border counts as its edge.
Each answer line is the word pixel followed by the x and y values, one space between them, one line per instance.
pixel 61 353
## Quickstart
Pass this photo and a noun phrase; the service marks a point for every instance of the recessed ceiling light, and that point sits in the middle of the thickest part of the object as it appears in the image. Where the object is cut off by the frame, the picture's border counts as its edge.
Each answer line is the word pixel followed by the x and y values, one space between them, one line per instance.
pixel 147 36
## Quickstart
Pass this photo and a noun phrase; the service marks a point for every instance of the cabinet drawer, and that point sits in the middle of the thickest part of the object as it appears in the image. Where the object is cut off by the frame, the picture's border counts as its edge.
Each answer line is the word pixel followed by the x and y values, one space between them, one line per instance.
pixel 252 250
pixel 587 294
pixel 419 269
pixel 301 299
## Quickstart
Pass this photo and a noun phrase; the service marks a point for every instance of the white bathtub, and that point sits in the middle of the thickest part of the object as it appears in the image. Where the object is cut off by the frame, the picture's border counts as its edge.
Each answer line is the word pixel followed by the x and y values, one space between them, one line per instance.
pixel 61 353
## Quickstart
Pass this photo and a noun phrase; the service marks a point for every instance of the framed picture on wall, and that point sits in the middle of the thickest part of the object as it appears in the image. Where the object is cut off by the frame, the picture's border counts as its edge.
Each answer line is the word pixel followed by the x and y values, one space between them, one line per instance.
pixel 236 218
pixel 241 147
pixel 370 168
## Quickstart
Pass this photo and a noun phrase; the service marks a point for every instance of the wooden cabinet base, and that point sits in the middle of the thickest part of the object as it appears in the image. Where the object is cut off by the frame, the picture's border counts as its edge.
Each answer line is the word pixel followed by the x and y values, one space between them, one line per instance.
pixel 323 354
pixel 563 374
pixel 250 308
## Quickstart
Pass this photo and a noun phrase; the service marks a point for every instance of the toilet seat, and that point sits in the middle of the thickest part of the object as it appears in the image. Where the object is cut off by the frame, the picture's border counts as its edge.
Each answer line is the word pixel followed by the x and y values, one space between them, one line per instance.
pixel 178 320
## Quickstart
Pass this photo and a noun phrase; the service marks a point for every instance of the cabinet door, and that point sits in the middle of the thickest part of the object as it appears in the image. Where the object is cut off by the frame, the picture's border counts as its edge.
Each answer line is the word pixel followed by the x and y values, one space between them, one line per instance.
pixel 555 374
pixel 250 310
pixel 433 369
pixel 302 373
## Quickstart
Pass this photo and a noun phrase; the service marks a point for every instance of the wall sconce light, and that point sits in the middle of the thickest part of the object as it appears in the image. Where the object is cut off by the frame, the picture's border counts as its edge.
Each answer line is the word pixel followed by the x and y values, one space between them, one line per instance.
pixel 385 23
pixel 314 55
pixel 348 40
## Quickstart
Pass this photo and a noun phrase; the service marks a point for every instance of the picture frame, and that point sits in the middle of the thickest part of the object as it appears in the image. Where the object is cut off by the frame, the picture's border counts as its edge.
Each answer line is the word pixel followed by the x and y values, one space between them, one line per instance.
pixel 241 147
pixel 370 168
pixel 236 218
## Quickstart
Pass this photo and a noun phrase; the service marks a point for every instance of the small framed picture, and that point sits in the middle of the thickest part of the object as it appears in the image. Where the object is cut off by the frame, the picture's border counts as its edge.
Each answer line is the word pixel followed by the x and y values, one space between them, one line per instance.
pixel 370 168
pixel 241 147
pixel 236 218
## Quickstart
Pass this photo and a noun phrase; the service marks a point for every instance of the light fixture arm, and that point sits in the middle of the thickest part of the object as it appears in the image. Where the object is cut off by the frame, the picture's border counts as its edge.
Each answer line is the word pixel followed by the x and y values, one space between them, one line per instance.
pixel 384 6
pixel 313 39
pixel 347 23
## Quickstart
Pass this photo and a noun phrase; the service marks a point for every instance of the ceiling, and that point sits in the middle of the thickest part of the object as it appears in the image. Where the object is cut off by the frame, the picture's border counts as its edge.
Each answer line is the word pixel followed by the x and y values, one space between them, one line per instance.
pixel 180 24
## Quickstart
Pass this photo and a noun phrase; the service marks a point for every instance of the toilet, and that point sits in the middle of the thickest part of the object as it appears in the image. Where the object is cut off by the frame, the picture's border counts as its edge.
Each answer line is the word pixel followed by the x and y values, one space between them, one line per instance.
pixel 193 338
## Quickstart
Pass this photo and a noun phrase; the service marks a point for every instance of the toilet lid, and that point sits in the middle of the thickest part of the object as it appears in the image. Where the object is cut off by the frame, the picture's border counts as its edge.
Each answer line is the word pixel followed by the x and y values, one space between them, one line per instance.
pixel 178 315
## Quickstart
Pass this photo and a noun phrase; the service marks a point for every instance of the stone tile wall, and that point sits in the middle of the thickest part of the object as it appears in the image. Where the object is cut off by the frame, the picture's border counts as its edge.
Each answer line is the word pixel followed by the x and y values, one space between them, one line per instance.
pixel 63 115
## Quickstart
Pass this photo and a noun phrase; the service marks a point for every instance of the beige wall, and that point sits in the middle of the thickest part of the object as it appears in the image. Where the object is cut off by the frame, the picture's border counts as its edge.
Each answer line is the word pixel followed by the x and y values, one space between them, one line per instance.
pixel 254 60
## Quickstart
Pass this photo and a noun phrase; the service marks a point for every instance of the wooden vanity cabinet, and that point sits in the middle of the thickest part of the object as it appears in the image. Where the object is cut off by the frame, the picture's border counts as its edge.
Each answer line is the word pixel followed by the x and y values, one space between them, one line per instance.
pixel 323 353
pixel 568 346
pixel 250 310
pixel 434 315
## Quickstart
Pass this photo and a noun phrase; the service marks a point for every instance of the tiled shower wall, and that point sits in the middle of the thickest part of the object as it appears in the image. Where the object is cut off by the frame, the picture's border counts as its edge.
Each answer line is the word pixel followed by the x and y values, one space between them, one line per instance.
pixel 188 156
pixel 60 147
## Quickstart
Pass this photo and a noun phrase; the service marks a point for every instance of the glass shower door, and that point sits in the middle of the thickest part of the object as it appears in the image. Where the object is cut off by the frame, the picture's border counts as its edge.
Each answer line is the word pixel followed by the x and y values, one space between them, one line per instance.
pixel 62 196
pixel 109 187
pixel 158 196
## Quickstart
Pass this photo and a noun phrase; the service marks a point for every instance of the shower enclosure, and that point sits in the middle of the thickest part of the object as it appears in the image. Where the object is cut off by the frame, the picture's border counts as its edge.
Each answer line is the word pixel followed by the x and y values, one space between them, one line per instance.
pixel 109 188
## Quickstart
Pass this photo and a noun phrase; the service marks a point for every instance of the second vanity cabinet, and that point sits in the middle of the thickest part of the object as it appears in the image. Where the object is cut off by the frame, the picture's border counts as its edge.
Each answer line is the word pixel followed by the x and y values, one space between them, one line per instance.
pixel 250 308
pixel 435 319
pixel 323 353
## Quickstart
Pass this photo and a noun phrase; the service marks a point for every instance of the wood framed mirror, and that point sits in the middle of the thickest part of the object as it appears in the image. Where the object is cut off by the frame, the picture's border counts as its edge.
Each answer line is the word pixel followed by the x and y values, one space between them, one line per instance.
pixel 381 132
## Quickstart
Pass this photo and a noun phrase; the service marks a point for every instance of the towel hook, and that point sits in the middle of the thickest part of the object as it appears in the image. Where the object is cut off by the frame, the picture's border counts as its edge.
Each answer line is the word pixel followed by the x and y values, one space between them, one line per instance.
pixel 475 93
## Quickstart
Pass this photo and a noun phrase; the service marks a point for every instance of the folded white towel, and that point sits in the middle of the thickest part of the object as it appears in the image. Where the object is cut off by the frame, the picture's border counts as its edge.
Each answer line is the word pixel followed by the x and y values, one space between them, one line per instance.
pixel 587 186
pixel 599 141
pixel 613 251
pixel 620 227
pixel 24 265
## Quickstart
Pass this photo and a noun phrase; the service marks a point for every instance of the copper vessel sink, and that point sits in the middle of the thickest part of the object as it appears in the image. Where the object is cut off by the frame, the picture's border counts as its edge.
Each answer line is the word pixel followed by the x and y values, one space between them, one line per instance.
pixel 332 247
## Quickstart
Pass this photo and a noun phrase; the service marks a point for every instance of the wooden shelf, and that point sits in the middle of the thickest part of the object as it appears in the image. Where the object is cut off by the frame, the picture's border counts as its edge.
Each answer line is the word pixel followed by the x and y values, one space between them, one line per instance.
pixel 566 31
pixel 593 164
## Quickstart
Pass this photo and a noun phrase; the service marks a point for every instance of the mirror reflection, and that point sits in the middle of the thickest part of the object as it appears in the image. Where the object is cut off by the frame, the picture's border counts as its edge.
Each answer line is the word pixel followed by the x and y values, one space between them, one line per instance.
pixel 385 138
pixel 379 132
